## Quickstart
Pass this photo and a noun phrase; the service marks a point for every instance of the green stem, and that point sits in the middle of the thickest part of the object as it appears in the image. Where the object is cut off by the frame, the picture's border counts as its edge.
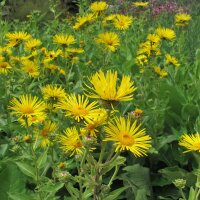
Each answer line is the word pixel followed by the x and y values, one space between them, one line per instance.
pixel 103 147
pixel 113 176
pixel 111 160
pixel 198 193
pixel 84 158
pixel 182 194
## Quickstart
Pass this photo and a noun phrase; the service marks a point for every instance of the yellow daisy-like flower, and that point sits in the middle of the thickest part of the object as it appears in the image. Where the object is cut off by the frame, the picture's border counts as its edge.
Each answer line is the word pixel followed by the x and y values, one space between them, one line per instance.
pixel 78 107
pixel 30 68
pixel 74 50
pixel 4 67
pixel 48 129
pixel 83 20
pixel 16 38
pixel 28 107
pixel 51 55
pixel 109 39
pixel 53 92
pixel 71 142
pixel 166 33
pixel 141 59
pixel 182 19
pixel 64 40
pixel 172 60
pixel 109 18
pixel 98 7
pixel 32 44
pixel 128 136
pixel 95 121
pixel 122 22
pixel 104 86
pixel 2 58
pixel 153 38
pixel 190 142
pixel 140 4
pixel 161 72
pixel 149 49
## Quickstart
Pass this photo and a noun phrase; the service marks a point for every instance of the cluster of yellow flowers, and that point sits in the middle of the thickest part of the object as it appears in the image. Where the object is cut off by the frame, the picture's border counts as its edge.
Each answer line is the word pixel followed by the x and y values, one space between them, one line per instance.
pixel 151 49
pixel 91 116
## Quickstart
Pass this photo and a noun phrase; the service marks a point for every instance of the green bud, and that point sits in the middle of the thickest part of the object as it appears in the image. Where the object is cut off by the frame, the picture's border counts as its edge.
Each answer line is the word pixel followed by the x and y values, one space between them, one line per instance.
pixel 179 183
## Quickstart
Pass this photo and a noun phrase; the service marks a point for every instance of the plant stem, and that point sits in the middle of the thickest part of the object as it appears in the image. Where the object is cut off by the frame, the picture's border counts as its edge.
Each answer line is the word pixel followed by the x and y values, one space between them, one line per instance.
pixel 112 159
pixel 182 194
pixel 113 176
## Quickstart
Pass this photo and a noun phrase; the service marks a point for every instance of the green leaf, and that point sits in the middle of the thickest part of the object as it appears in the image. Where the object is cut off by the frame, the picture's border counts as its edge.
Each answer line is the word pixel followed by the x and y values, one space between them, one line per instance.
pixel 26 169
pixel 12 180
pixel 141 194
pixel 42 160
pixel 3 149
pixel 115 194
pixel 191 194
pixel 72 190
pixel 137 178
pixel 17 196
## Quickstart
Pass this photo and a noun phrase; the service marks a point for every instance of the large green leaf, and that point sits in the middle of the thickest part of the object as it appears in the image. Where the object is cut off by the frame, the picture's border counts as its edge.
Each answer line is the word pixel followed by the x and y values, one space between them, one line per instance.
pixel 172 173
pixel 12 181
pixel 42 160
pixel 138 179
pixel 26 169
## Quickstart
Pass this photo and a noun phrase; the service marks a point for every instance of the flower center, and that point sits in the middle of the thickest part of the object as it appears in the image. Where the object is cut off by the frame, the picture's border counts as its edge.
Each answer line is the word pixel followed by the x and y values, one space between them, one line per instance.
pixel 44 132
pixel 126 139
pixel 78 144
pixel 80 111
pixel 3 66
pixel 27 110
pixel 197 145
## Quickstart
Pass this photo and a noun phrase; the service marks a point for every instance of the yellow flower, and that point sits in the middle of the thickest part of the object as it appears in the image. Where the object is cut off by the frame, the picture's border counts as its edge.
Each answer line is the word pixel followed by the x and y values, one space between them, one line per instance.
pixel 51 55
pixel 16 38
pixel 78 107
pixel 182 19
pixel 4 67
pixel 137 112
pixel 190 142
pixel 64 39
pixel 83 20
pixel 147 48
pixel 104 86
pixel 153 38
pixel 95 121
pixel 171 60
pixel 140 4
pixel 108 18
pixel 30 68
pixel 98 7
pixel 71 142
pixel 28 107
pixel 74 50
pixel 161 72
pixel 128 136
pixel 166 33
pixel 53 92
pixel 122 22
pixel 44 135
pixel 109 39
pixel 53 68
pixel 31 44
pixel 141 59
